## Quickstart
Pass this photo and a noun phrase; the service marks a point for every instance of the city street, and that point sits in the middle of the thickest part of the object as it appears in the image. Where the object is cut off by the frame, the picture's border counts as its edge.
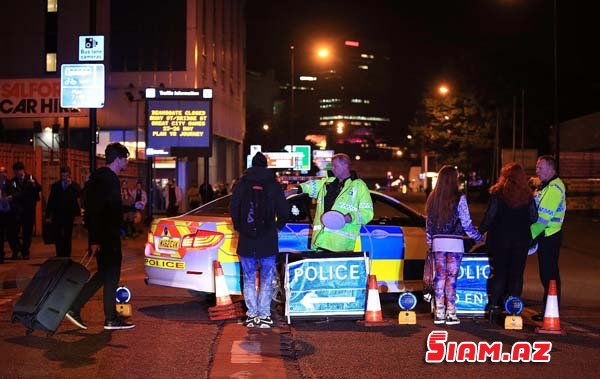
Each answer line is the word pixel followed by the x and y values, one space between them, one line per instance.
pixel 174 337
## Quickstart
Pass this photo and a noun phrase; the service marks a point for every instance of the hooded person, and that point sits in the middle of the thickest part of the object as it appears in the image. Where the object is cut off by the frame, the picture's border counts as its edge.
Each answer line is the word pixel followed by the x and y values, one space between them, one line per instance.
pixel 258 210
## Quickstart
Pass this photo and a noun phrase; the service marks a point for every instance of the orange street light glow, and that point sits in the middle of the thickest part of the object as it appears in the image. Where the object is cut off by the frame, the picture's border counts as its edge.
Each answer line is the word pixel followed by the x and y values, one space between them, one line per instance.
pixel 443 89
pixel 323 53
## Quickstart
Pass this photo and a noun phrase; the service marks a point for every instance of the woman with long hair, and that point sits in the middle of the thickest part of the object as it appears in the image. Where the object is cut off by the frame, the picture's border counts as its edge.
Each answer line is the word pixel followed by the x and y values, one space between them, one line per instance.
pixel 510 212
pixel 448 219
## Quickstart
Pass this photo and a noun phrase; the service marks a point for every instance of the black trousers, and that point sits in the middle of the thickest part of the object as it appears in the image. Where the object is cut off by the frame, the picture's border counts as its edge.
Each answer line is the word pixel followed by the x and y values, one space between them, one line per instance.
pixel 509 258
pixel 23 223
pixel 548 252
pixel 63 230
pixel 107 276
pixel 4 228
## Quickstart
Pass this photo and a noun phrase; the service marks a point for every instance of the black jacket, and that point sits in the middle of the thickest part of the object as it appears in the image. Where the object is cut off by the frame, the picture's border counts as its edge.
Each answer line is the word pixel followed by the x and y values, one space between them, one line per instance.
pixel 63 204
pixel 267 244
pixel 105 211
pixel 508 224
pixel 25 194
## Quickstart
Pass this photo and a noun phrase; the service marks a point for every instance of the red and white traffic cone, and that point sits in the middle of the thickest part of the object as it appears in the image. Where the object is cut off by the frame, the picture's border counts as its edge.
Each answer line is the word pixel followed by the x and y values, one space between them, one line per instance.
pixel 225 308
pixel 551 318
pixel 373 315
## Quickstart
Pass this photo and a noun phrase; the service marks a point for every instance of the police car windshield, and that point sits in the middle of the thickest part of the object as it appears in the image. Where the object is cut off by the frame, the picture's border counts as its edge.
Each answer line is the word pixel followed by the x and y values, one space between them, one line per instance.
pixel 218 207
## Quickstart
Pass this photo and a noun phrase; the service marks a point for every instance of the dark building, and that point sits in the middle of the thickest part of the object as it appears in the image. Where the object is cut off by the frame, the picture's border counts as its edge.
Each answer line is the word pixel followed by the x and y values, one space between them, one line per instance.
pixel 148 43
pixel 354 99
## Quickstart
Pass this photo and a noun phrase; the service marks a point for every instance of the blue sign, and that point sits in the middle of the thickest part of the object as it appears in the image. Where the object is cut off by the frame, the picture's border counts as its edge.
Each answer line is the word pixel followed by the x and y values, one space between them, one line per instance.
pixel 82 85
pixel 407 301
pixel 471 285
pixel 123 295
pixel 326 286
pixel 513 305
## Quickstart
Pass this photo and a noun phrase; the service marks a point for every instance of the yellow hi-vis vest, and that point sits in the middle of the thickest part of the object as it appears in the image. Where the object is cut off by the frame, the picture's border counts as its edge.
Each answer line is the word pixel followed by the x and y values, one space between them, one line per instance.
pixel 552 205
pixel 354 199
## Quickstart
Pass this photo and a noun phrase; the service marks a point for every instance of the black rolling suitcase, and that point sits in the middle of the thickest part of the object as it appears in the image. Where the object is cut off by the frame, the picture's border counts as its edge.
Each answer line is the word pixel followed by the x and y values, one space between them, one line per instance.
pixel 49 295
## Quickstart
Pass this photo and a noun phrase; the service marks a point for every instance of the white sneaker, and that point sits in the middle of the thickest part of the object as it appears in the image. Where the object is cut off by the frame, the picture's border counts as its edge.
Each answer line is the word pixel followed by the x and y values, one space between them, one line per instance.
pixel 452 319
pixel 439 317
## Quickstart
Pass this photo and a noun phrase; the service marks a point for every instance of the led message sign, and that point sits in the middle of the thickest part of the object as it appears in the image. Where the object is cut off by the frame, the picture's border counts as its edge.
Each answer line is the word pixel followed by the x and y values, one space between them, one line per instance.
pixel 179 126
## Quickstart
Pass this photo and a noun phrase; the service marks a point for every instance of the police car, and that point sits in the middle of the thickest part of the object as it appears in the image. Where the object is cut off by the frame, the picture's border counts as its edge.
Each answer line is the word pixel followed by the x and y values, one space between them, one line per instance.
pixel 180 250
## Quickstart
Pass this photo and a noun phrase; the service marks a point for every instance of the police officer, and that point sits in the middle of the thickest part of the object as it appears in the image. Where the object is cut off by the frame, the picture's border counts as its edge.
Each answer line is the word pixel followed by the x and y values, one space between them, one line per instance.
pixel 343 192
pixel 551 202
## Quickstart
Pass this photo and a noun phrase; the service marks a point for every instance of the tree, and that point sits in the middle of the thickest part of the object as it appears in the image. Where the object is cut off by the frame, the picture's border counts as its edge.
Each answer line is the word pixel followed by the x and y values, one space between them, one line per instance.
pixel 455 128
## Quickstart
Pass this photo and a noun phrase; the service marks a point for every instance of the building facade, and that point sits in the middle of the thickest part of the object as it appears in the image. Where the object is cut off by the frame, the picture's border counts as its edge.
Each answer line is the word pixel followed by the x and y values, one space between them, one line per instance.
pixel 148 43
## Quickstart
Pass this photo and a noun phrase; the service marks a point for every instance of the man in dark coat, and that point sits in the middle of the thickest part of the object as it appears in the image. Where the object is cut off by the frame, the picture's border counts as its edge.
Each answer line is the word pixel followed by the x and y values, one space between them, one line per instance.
pixel 261 246
pixel 25 195
pixel 61 210
pixel 5 213
pixel 104 213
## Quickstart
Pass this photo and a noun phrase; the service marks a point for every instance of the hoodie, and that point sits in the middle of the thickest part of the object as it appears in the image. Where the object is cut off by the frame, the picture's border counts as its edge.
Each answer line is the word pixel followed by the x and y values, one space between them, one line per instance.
pixel 106 209
pixel 267 244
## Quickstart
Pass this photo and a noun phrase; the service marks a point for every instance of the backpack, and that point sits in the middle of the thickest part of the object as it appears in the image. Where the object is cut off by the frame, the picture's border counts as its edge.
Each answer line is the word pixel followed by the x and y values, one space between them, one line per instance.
pixel 255 216
pixel 88 194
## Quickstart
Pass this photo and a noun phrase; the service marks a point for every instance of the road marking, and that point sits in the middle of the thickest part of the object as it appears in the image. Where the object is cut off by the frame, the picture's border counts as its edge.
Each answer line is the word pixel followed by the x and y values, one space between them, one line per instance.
pixel 244 351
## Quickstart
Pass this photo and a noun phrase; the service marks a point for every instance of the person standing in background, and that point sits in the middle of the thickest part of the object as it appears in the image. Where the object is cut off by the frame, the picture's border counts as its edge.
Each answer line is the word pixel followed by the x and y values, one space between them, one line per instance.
pixel 510 212
pixel 5 213
pixel 448 219
pixel 551 199
pixel 173 198
pixel 26 193
pixel 61 210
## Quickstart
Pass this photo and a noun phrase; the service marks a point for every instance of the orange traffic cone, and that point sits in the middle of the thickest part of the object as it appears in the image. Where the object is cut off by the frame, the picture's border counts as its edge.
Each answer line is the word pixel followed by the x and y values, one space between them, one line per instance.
pixel 373 315
pixel 551 318
pixel 225 308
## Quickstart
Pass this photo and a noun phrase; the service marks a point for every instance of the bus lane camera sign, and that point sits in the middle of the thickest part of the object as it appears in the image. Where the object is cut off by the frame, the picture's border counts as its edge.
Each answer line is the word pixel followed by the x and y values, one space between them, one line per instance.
pixel 329 286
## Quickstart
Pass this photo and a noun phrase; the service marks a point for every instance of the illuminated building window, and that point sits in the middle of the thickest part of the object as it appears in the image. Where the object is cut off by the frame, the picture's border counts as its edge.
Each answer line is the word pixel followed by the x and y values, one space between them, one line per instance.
pixel 363 67
pixel 51 62
pixel 52 7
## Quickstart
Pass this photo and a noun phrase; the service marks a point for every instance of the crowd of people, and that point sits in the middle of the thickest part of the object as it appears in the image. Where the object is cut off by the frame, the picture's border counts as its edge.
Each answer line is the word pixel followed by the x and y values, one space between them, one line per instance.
pixel 517 217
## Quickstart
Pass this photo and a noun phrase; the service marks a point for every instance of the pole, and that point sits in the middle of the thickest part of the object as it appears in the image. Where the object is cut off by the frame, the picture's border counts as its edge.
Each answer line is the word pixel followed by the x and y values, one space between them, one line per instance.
pixel 92 115
pixel 150 187
pixel 292 91
pixel 523 126
pixel 66 139
pixel 556 125
pixel 206 184
pixel 137 128
pixel 514 134
pixel 497 145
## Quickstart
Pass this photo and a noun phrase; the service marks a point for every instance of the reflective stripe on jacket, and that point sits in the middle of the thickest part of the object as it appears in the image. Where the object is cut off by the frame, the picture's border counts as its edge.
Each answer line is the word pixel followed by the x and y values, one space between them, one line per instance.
pixel 552 204
pixel 354 199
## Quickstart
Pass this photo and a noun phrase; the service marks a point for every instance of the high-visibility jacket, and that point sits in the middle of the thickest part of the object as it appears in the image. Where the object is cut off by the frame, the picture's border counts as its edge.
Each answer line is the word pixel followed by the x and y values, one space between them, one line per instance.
pixel 552 204
pixel 354 199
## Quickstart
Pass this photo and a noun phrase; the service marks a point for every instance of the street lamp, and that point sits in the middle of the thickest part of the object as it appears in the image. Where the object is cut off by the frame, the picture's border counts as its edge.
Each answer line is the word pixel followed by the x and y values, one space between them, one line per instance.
pixel 443 89
pixel 323 53
pixel 265 127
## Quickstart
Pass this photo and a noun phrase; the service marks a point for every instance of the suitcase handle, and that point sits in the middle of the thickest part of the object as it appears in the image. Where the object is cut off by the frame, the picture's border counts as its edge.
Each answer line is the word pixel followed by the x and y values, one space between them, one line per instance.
pixel 86 254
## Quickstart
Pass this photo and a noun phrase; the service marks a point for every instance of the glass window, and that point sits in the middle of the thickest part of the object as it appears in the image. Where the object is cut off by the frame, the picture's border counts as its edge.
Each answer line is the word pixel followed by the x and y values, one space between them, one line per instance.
pixel 52 6
pixel 51 62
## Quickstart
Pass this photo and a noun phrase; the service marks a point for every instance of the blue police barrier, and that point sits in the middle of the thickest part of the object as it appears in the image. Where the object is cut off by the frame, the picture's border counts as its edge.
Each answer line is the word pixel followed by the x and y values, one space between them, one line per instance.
pixel 472 284
pixel 326 285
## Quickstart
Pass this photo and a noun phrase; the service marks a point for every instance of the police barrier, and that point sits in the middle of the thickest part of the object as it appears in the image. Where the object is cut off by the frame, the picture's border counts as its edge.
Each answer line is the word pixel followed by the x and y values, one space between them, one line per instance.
pixel 472 284
pixel 319 284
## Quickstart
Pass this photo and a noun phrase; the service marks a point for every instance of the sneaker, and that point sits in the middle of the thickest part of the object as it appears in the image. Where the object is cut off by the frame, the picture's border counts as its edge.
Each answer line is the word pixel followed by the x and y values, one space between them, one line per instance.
pixel 118 323
pixel 265 322
pixel 438 317
pixel 251 322
pixel 452 319
pixel 75 319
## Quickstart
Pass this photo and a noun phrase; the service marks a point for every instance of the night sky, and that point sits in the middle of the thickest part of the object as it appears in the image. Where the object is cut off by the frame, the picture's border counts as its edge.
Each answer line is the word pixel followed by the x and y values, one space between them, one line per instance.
pixel 490 47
